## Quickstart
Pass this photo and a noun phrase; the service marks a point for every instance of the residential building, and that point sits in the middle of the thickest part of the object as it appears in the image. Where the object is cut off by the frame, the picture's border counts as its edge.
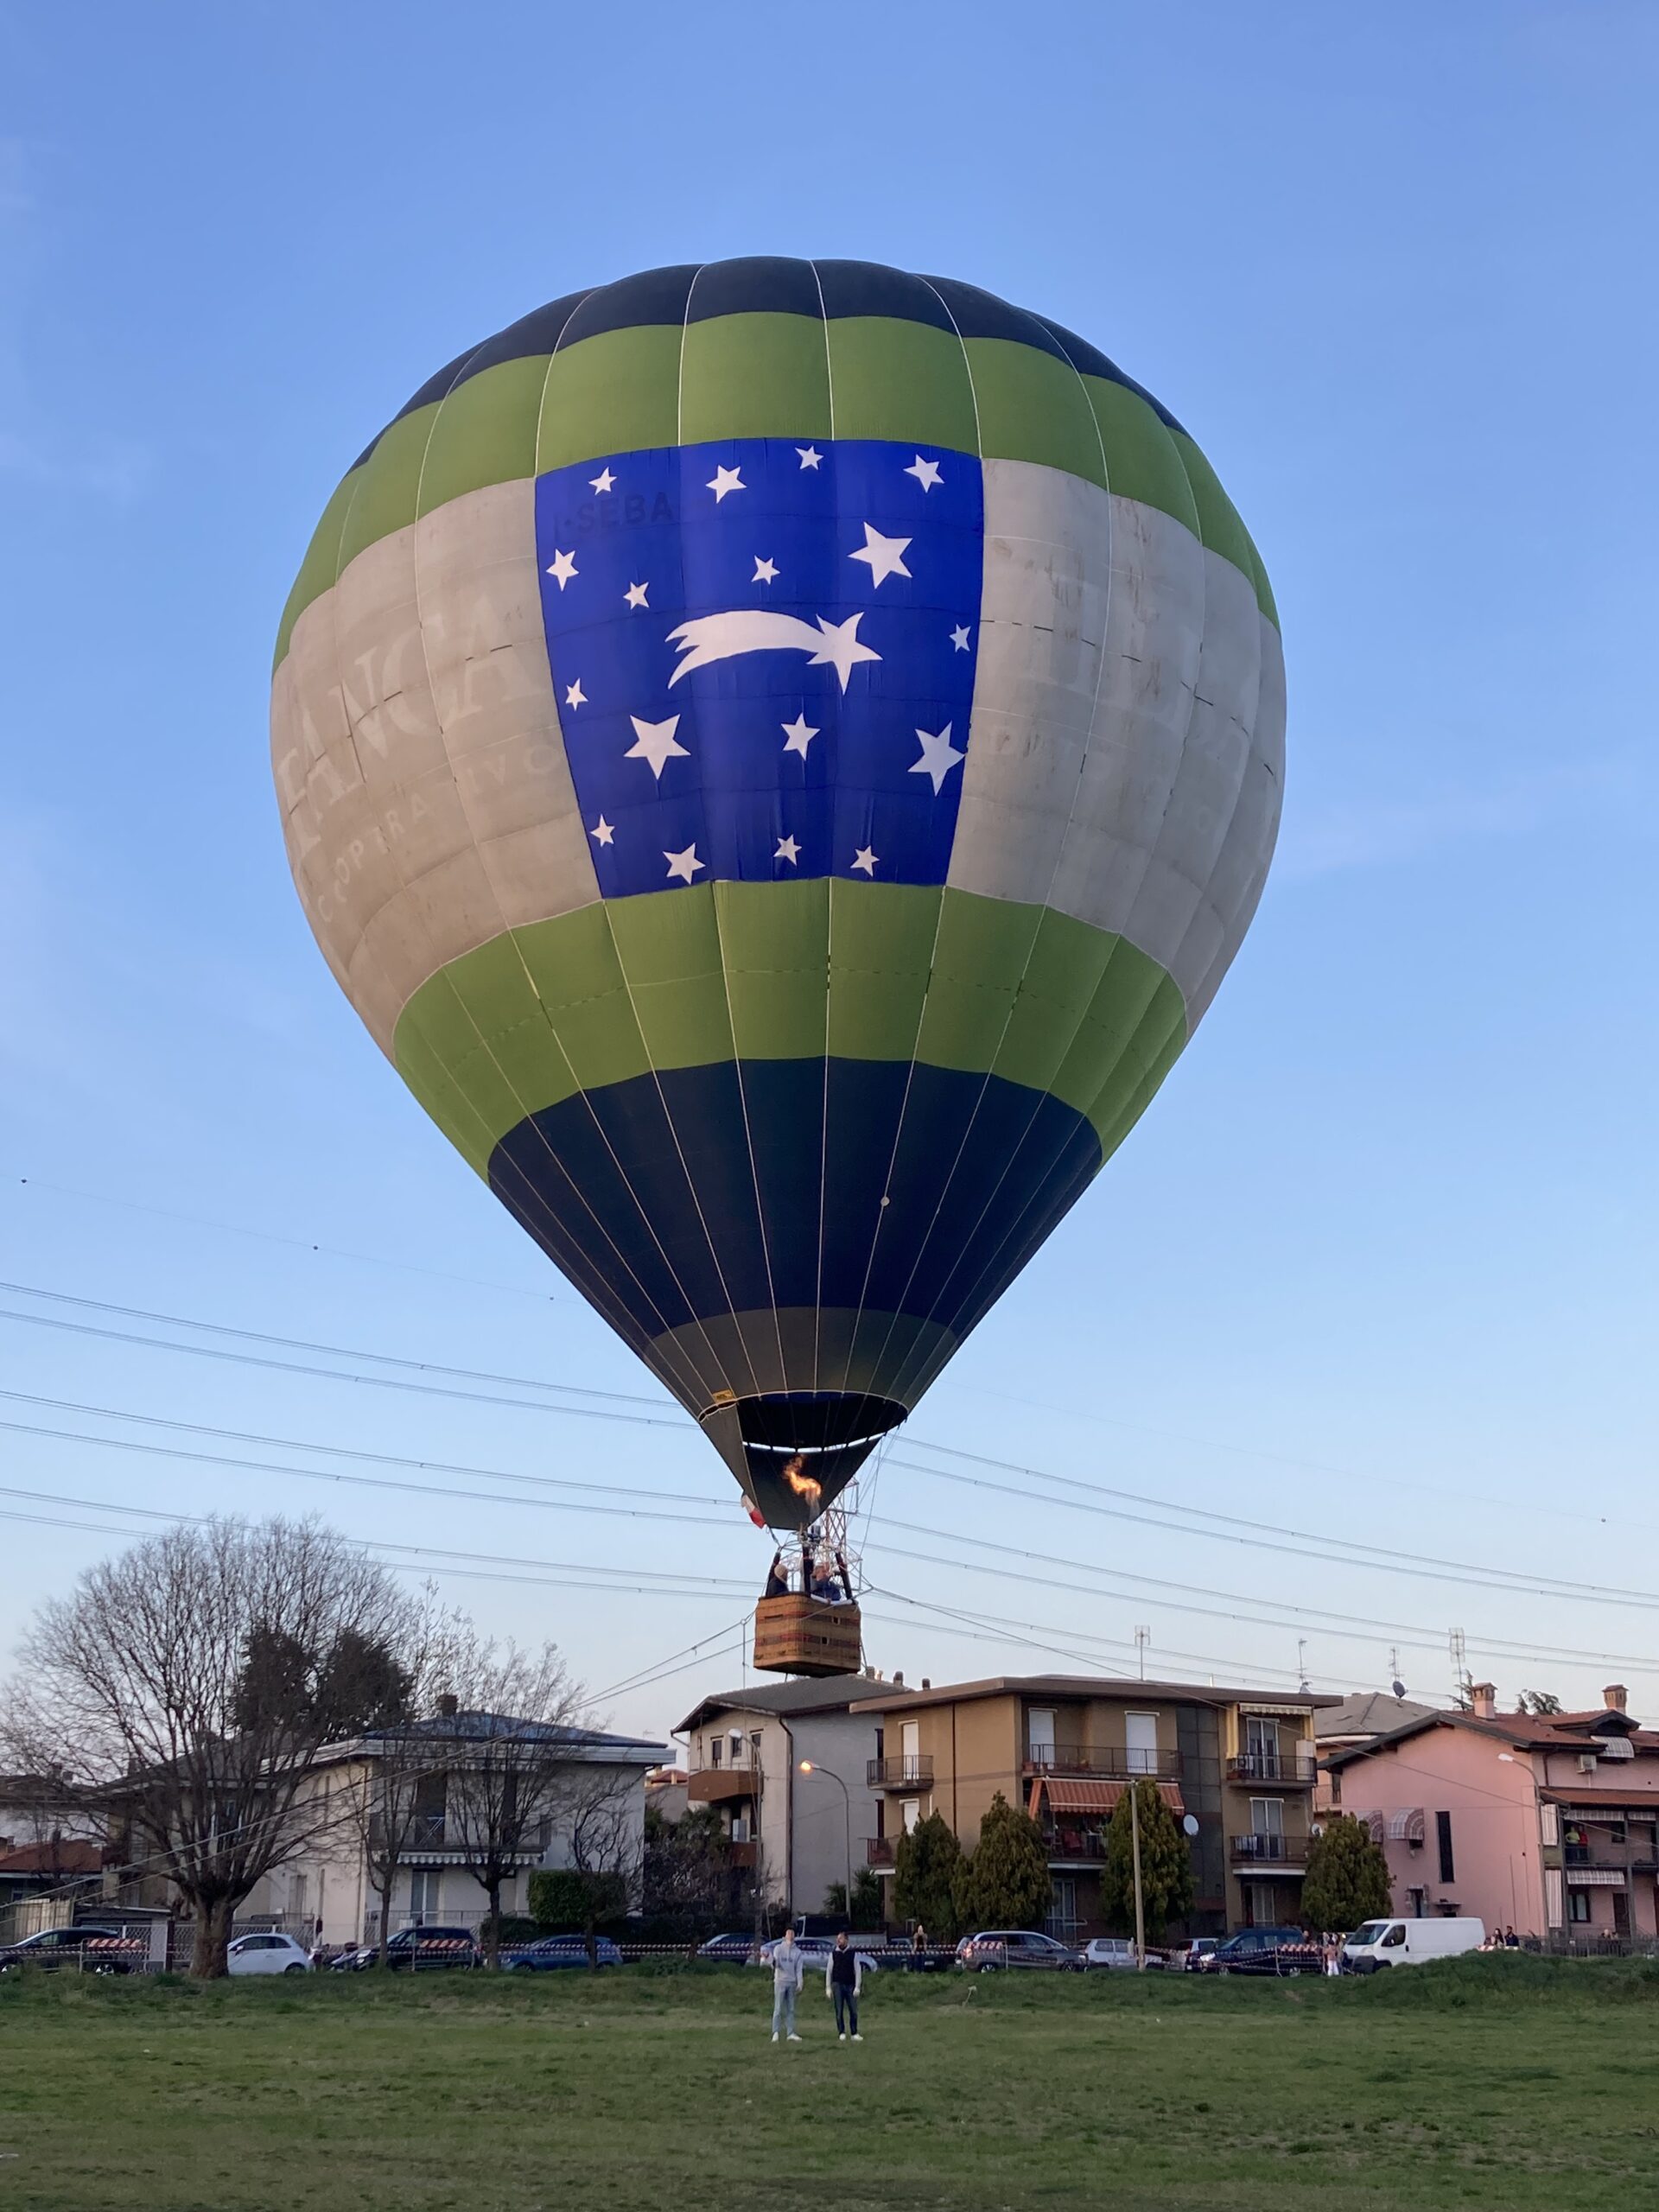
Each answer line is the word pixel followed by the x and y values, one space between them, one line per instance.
pixel 797 1832
pixel 1547 1823
pixel 324 1889
pixel 1240 1762
pixel 1357 1719
pixel 665 1793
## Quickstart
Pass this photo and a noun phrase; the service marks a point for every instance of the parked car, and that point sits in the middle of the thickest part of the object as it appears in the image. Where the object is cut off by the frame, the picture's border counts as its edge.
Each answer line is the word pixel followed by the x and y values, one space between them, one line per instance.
pixel 552 1952
pixel 93 1950
pixel 418 1948
pixel 994 1947
pixel 267 1952
pixel 1265 1950
pixel 815 1953
pixel 734 1949
pixel 1116 1954
pixel 1189 1958
pixel 1382 1943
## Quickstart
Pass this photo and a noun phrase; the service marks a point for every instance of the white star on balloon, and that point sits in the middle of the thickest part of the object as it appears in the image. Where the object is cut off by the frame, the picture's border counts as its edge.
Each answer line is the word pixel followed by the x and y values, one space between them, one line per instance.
pixel 635 594
pixel 604 480
pixel 959 638
pixel 685 865
pixel 561 568
pixel 809 456
pixel 574 695
pixel 865 858
pixel 939 757
pixel 602 833
pixel 655 742
pixel 797 735
pixel 788 849
pixel 765 572
pixel 885 555
pixel 926 472
pixel 724 480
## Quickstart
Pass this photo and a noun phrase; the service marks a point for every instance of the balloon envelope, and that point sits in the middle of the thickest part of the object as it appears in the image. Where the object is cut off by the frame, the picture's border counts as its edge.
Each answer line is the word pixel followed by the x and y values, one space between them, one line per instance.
pixel 780 755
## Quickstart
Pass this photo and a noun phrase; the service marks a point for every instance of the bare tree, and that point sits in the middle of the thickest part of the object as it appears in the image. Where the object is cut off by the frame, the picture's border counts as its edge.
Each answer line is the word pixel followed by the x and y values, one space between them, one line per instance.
pixel 601 1814
pixel 196 1678
pixel 508 1743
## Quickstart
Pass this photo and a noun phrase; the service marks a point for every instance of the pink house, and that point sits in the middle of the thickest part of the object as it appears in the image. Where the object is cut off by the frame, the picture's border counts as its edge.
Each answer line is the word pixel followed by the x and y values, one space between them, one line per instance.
pixel 1548 1825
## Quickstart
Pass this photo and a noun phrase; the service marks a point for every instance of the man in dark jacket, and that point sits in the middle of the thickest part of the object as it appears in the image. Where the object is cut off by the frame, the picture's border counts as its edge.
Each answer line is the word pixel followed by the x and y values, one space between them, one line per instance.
pixel 842 1977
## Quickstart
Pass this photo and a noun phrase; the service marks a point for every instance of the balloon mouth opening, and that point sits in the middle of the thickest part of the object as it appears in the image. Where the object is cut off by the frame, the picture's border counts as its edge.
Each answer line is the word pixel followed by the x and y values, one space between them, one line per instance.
pixel 795 1451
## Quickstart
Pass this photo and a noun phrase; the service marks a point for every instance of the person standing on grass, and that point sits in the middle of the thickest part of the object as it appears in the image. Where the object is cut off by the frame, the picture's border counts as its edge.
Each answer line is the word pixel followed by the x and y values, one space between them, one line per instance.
pixel 788 1969
pixel 841 1978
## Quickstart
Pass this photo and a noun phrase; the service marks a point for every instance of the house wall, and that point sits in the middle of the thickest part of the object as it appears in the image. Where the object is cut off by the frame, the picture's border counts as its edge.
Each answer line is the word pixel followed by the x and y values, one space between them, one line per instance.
pixel 1498 1871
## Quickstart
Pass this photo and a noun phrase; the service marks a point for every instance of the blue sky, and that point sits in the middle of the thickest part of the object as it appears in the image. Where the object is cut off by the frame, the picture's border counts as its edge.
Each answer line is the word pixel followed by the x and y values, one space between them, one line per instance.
pixel 1377 1264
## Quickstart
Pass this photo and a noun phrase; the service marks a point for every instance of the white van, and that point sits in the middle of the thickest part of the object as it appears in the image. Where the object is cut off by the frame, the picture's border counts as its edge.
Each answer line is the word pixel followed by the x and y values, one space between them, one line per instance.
pixel 1381 1943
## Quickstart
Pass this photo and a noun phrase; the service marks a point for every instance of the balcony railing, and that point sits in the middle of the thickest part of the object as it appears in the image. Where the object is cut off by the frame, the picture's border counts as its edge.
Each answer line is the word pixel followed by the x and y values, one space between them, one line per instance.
pixel 1105 1762
pixel 1300 1767
pixel 1268 1850
pixel 879 1850
pixel 1075 1847
pixel 913 1771
pixel 718 1785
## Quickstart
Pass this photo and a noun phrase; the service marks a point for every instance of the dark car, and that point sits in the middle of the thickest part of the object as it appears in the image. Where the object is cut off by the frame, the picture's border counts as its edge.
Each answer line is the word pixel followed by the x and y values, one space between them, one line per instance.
pixel 93 1950
pixel 422 1949
pixel 554 1951
pixel 995 1948
pixel 1265 1950
pixel 734 1949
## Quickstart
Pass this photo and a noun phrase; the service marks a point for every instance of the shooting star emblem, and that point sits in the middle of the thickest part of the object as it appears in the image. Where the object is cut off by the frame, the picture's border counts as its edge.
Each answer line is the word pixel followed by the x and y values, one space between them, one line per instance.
pixel 710 638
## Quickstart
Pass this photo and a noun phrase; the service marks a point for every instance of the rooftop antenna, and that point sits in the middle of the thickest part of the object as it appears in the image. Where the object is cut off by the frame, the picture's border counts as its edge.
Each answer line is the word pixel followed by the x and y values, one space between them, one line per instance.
pixel 1142 1638
pixel 1457 1644
pixel 1395 1682
pixel 1302 1683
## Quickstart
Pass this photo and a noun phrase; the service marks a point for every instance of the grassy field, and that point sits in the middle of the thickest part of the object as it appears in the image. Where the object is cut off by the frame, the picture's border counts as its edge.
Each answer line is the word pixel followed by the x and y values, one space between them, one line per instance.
pixel 1509 2082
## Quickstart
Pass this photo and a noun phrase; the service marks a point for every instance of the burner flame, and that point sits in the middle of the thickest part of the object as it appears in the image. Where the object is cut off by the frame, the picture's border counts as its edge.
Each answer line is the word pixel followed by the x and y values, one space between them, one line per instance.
pixel 802 1484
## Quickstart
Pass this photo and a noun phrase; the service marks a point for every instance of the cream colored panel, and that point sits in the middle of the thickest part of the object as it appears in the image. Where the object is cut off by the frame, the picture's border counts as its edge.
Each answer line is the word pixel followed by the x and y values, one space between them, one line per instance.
pixel 1042 618
pixel 1237 881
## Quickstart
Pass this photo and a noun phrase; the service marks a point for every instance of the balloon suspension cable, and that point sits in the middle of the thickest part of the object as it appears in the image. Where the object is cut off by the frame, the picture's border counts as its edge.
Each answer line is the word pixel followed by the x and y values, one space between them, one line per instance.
pixel 821 1560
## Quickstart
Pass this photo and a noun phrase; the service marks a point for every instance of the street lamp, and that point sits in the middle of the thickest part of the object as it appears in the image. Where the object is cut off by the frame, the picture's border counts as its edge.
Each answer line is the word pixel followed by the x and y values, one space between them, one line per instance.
pixel 1508 1759
pixel 828 1773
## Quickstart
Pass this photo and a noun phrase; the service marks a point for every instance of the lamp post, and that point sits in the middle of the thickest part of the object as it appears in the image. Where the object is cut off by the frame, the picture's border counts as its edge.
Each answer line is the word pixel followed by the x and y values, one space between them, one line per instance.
pixel 1508 1759
pixel 808 1767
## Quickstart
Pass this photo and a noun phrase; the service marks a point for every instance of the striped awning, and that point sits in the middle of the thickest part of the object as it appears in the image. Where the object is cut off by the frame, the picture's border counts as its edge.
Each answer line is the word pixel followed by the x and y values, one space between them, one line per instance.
pixel 1374 1821
pixel 1067 1793
pixel 1408 1827
pixel 1594 1877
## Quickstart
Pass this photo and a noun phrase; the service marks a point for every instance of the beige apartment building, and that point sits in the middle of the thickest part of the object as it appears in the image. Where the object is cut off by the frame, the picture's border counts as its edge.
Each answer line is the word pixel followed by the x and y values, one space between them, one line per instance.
pixel 1240 1762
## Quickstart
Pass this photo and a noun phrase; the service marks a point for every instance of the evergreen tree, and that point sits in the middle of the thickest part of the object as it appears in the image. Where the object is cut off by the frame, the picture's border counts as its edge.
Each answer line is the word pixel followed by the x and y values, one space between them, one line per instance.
pixel 927 1866
pixel 1165 1863
pixel 1347 1879
pixel 1005 1883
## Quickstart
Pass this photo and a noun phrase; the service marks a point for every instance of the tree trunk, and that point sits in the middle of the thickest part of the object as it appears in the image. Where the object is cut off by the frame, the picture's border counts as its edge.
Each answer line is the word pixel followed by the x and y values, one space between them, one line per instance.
pixel 385 1896
pixel 492 1925
pixel 214 1918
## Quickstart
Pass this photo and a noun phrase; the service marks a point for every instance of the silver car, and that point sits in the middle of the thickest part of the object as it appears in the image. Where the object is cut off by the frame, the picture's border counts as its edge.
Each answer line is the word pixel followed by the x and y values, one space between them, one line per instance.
pixel 1115 1953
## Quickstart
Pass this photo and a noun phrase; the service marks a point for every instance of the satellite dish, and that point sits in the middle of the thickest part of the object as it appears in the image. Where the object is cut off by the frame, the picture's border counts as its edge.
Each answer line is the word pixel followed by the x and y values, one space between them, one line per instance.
pixel 1399 1689
pixel 1189 1825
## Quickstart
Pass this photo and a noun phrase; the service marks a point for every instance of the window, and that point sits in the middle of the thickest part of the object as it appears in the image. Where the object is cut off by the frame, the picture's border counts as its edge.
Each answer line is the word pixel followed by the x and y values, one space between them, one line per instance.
pixel 297 1888
pixel 1261 1745
pixel 716 1747
pixel 737 1747
pixel 1578 1905
pixel 1443 1837
pixel 1268 1817
pixel 911 1811
pixel 1553 1896
pixel 1040 1736
pixel 1621 1913
pixel 910 1737
pixel 424 1884
pixel 1141 1742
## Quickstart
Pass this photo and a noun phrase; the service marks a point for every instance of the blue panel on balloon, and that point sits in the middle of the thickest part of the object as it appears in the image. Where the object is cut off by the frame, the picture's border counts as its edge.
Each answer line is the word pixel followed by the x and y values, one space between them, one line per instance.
pixel 763 654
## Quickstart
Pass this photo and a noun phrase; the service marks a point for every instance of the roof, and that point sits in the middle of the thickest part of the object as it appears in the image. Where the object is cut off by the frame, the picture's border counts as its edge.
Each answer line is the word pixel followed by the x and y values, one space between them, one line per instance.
pixel 1520 1729
pixel 828 1694
pixel 1069 1793
pixel 63 1857
pixel 1562 1793
pixel 504 1727
pixel 1093 1686
pixel 1367 1712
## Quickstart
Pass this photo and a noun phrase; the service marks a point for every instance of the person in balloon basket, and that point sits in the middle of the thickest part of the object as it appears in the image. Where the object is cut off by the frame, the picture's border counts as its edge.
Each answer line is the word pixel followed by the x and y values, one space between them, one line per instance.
pixel 788 1971
pixel 841 1979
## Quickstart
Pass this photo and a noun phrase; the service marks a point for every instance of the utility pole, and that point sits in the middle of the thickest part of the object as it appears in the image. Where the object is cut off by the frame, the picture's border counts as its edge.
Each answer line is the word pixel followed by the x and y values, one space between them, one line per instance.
pixel 1139 1907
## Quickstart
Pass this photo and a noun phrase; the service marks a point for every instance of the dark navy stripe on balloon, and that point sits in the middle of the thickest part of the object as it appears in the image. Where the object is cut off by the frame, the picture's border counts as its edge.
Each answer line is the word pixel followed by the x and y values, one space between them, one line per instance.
pixel 670 1162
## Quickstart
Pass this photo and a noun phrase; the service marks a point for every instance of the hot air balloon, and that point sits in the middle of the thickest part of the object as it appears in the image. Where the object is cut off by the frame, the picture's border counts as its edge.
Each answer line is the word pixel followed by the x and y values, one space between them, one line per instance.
pixel 780 755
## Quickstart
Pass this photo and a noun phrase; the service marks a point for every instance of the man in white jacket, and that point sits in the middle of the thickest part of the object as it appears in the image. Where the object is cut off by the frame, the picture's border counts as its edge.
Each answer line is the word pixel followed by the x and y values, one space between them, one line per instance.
pixel 788 1970
pixel 842 1977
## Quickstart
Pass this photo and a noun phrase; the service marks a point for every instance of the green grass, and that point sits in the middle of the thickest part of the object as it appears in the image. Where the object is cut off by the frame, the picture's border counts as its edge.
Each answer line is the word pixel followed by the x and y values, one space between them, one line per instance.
pixel 1507 2082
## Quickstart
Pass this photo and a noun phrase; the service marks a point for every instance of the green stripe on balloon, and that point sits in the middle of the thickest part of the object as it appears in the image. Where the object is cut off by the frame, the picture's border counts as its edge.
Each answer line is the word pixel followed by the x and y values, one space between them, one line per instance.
pixel 762 971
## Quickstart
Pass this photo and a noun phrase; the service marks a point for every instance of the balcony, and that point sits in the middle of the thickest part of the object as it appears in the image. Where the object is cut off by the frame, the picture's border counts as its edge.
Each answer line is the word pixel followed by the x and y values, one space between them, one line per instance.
pixel 914 1772
pixel 1268 1850
pixel 743 1855
pixel 718 1785
pixel 1285 1769
pixel 1075 1847
pixel 430 1840
pixel 1104 1762
pixel 879 1850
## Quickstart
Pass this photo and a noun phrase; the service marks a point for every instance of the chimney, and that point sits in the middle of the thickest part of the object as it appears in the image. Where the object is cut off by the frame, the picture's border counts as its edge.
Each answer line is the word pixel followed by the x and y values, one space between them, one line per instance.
pixel 448 1705
pixel 897 1681
pixel 1615 1694
pixel 1484 1697
pixel 926 1685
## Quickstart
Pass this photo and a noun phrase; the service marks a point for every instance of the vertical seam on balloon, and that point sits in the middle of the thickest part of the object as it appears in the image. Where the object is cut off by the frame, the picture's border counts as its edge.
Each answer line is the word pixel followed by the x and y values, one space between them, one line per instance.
pixel 1060 856
pixel 547 379
pixel 828 937
pixel 511 936
pixel 1245 907
pixel 986 1269
pixel 938 919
